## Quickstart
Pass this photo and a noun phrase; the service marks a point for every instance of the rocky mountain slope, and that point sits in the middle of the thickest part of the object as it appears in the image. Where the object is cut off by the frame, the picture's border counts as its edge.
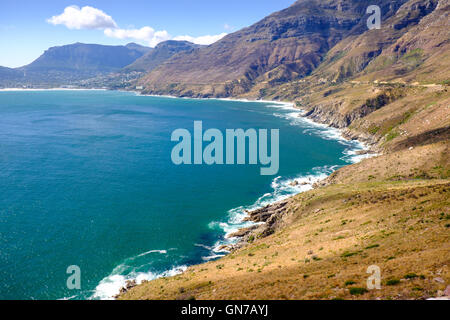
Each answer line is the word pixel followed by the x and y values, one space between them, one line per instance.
pixel 284 46
pixel 160 54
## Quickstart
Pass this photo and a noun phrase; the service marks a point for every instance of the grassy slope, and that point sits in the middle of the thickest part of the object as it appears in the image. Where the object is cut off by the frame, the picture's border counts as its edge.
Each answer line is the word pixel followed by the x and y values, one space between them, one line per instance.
pixel 329 236
pixel 333 235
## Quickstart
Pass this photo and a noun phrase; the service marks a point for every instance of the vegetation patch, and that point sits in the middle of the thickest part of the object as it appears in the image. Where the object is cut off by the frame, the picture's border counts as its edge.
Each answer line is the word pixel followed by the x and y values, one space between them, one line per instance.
pixel 357 291
pixel 392 282
pixel 348 254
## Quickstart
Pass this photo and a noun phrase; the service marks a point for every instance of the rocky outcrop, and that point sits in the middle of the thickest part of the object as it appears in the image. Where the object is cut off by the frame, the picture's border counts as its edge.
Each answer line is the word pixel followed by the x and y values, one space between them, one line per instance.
pixel 332 115
pixel 269 214
pixel 266 220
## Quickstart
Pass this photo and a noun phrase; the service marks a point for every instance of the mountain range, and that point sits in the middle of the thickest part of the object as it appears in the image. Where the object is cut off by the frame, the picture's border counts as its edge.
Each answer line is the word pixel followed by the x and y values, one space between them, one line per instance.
pixel 77 63
pixel 65 64
pixel 327 40
pixel 284 46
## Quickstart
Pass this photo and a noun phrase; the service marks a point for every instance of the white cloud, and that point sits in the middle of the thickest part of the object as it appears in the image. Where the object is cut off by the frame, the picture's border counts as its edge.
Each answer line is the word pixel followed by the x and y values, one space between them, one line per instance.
pixel 146 34
pixel 205 40
pixel 88 17
pixel 85 18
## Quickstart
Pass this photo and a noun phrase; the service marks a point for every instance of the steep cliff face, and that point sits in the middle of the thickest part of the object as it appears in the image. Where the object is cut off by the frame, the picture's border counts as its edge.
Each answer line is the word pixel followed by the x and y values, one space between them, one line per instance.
pixel 331 114
pixel 284 46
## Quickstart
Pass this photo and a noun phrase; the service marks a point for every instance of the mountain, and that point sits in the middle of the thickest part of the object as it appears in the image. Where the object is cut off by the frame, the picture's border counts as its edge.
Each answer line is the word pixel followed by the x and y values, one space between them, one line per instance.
pixel 68 63
pixel 10 73
pixel 10 77
pixel 286 45
pixel 85 58
pixel 138 48
pixel 161 53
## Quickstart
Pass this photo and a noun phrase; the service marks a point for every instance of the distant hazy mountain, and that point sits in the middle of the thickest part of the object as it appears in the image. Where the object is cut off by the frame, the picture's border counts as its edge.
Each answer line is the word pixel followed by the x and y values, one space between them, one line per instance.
pixel 9 73
pixel 138 47
pixel 162 52
pixel 64 64
pixel 10 77
pixel 86 58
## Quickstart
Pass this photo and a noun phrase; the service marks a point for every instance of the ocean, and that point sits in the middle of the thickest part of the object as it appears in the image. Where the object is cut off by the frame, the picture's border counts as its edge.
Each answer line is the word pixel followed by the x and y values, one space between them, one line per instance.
pixel 86 179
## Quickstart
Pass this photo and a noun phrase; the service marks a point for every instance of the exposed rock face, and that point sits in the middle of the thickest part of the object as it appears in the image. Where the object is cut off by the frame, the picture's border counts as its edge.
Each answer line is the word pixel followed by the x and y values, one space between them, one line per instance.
pixel 130 284
pixel 268 214
pixel 286 45
pixel 333 116
pixel 243 232
pixel 267 219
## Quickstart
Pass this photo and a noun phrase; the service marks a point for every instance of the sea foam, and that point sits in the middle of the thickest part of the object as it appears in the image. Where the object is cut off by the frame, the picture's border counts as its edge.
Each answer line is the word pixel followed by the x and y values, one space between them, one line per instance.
pixel 284 188
pixel 110 286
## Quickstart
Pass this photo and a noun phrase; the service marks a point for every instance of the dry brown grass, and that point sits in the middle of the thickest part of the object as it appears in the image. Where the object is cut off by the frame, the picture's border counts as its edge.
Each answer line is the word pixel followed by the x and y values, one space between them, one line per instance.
pixel 429 161
pixel 330 236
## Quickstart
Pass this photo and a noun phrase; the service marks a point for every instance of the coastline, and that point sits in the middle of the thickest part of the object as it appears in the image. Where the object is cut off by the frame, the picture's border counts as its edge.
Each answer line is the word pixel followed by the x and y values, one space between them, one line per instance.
pixel 262 219
pixel 237 236
pixel 247 221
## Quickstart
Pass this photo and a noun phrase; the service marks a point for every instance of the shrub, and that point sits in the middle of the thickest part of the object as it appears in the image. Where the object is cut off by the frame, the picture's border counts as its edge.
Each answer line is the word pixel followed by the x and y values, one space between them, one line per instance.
pixel 392 282
pixel 357 291
pixel 348 254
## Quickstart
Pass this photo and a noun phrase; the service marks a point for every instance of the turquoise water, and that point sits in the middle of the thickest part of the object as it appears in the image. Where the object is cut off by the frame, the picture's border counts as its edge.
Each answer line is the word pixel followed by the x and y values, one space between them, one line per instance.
pixel 86 179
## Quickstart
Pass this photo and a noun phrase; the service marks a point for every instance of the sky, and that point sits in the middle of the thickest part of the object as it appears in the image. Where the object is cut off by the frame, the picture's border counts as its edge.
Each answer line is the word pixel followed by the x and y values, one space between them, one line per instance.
pixel 29 27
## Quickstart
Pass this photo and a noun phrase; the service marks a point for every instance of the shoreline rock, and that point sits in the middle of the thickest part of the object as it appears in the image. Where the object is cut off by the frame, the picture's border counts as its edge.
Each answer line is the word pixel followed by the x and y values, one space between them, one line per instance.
pixel 266 220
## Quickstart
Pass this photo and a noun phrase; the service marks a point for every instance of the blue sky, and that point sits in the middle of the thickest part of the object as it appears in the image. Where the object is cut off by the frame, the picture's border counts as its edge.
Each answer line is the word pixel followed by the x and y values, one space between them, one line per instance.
pixel 27 27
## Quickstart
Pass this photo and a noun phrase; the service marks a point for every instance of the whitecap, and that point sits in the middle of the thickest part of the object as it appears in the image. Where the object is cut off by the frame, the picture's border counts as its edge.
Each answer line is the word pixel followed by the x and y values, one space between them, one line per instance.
pixel 110 286
pixel 152 251
pixel 213 257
